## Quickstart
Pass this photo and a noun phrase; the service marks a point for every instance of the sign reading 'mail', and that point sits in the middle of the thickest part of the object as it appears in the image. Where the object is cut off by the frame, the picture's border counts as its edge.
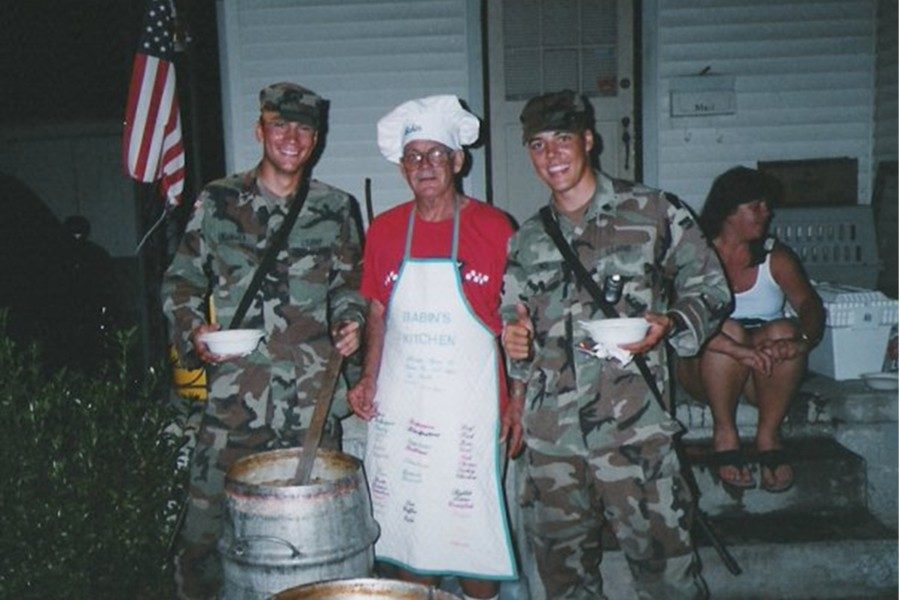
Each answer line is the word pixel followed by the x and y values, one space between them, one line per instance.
pixel 702 95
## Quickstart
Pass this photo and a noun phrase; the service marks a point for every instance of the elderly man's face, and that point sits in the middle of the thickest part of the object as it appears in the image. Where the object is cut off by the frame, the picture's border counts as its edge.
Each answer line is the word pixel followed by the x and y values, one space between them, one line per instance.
pixel 430 167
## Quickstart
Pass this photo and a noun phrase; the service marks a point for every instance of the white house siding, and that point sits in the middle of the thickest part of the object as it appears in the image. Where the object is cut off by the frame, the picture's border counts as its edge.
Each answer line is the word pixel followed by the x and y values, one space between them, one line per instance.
pixel 803 71
pixel 886 83
pixel 365 56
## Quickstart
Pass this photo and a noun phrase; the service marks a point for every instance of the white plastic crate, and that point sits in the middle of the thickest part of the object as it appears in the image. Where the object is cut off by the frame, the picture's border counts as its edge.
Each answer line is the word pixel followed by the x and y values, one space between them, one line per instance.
pixel 834 243
pixel 857 328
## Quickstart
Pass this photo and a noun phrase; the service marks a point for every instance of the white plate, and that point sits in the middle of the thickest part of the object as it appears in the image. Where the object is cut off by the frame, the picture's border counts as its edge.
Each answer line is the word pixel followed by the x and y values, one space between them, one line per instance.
pixel 232 342
pixel 880 381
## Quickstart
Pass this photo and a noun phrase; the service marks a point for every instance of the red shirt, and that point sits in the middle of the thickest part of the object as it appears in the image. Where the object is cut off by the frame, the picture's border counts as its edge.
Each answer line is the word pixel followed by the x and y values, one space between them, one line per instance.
pixel 483 234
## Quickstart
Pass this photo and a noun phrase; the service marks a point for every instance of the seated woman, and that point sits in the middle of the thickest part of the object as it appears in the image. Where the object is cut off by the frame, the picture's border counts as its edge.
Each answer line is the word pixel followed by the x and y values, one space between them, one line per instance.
pixel 758 352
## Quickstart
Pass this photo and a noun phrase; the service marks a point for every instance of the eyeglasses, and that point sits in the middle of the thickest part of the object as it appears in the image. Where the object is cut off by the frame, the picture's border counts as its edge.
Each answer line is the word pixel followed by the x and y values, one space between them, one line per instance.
pixel 437 157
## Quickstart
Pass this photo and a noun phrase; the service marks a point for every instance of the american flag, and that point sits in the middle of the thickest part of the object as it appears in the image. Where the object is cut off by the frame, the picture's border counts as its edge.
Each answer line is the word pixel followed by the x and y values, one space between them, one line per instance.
pixel 152 149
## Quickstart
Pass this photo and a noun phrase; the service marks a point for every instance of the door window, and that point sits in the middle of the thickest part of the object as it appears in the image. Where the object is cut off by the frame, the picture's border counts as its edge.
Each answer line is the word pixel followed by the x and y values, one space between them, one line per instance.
pixel 550 45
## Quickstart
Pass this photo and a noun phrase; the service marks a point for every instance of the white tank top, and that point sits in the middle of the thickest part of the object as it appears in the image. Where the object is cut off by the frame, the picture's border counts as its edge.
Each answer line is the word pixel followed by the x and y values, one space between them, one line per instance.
pixel 765 300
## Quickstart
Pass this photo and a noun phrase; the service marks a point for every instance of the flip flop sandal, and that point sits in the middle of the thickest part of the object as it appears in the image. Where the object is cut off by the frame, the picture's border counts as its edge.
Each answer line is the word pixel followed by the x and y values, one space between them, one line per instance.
pixel 731 458
pixel 771 460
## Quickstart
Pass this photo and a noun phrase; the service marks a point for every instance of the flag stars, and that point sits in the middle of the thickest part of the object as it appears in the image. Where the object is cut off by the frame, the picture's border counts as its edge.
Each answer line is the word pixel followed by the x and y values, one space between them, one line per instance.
pixel 148 122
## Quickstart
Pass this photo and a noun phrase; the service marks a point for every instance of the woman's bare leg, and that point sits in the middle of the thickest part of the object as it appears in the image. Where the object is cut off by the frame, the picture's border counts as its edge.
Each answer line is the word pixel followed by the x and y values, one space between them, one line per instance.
pixel 773 395
pixel 719 380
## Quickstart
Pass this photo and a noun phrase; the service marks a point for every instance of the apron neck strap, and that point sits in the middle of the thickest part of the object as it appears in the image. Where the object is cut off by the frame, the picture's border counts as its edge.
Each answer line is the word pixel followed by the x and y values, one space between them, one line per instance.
pixel 407 252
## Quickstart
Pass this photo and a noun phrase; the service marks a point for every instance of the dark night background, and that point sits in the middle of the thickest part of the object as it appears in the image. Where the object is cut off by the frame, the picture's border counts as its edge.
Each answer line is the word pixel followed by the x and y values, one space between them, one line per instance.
pixel 70 60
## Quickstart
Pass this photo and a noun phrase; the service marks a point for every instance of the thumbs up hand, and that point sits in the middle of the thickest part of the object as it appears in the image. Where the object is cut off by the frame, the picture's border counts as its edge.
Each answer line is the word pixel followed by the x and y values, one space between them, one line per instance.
pixel 518 335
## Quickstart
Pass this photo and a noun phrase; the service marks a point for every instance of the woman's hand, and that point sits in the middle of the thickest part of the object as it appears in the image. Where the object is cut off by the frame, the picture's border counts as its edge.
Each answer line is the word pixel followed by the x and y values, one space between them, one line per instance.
pixel 783 349
pixel 753 358
pixel 747 355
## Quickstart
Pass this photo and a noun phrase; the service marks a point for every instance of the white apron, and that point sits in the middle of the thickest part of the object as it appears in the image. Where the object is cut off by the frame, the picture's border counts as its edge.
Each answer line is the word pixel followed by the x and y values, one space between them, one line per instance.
pixel 432 453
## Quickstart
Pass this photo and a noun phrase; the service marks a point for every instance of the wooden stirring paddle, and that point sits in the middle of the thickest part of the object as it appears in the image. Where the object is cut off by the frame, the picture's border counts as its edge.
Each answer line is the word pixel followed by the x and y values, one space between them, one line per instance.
pixel 317 423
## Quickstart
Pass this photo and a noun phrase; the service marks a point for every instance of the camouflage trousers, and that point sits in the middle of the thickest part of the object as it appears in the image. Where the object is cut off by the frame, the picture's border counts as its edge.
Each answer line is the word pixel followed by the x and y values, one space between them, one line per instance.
pixel 638 491
pixel 198 569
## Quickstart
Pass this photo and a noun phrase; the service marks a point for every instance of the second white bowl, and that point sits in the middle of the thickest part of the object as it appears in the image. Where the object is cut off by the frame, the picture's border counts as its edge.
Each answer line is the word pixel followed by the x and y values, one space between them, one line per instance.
pixel 616 332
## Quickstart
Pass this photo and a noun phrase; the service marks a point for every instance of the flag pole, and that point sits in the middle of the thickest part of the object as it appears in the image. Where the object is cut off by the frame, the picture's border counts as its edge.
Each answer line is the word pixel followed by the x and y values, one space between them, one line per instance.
pixel 150 258
pixel 153 155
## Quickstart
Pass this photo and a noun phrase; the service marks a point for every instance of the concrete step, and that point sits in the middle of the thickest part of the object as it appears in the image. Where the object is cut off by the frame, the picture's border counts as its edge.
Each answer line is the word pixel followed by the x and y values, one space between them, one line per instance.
pixel 821 407
pixel 828 478
pixel 851 556
pixel 860 418
pixel 789 557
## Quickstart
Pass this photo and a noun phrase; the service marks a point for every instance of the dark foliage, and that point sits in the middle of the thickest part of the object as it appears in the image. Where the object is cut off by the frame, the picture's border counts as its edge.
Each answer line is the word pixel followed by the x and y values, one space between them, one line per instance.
pixel 90 480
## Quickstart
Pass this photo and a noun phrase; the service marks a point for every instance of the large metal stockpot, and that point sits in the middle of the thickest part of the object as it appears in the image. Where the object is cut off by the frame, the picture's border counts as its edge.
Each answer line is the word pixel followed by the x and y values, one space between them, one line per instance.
pixel 279 535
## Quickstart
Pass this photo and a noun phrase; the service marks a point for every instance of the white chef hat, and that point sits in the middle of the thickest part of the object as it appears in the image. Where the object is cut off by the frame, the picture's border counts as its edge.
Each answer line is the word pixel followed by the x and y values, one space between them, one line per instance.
pixel 437 118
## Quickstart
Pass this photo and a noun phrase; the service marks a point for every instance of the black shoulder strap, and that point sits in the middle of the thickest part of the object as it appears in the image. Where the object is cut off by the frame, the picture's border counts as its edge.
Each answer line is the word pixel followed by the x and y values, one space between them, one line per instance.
pixel 552 229
pixel 275 245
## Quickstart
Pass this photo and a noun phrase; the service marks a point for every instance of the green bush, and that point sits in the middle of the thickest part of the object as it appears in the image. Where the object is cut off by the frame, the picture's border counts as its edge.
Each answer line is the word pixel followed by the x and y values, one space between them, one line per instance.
pixel 90 480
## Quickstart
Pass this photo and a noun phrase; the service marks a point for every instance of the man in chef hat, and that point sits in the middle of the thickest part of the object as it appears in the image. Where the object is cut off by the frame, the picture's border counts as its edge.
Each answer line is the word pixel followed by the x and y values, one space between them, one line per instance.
pixel 433 388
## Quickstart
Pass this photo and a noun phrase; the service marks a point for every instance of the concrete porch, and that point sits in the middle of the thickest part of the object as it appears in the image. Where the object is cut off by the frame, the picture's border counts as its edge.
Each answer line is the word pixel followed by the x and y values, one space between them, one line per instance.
pixel 834 533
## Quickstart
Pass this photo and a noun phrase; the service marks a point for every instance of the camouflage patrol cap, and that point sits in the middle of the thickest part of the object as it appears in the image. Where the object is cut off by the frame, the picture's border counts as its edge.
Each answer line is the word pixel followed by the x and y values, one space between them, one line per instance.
pixel 294 103
pixel 555 111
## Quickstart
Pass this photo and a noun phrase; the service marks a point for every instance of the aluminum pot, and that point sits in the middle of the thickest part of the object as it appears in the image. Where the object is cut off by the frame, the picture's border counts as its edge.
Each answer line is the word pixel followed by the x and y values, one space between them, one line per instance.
pixel 365 589
pixel 278 534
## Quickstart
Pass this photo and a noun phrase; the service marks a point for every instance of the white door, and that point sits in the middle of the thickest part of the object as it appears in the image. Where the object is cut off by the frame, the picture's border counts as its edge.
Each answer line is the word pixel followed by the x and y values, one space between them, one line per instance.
pixel 538 46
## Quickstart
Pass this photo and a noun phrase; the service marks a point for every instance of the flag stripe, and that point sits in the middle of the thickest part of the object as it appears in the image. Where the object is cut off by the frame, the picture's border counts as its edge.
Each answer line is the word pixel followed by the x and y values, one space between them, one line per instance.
pixel 152 147
pixel 173 156
pixel 143 97
pixel 137 74
pixel 147 158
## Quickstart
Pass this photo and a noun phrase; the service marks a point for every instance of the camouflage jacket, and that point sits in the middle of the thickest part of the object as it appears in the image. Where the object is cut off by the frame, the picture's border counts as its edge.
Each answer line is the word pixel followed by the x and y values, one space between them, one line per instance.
pixel 574 400
pixel 313 283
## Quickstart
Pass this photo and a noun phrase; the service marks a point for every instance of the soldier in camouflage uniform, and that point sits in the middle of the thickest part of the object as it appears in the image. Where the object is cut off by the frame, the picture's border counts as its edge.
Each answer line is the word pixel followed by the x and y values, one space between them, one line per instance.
pixel 306 304
pixel 598 446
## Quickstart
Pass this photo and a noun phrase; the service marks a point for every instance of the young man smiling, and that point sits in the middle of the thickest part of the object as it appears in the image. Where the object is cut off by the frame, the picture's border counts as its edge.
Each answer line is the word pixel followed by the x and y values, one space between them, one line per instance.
pixel 598 445
pixel 307 305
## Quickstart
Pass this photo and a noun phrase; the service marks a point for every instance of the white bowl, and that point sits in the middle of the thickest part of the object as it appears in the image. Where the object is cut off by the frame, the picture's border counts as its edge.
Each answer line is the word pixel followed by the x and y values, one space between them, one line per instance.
pixel 880 381
pixel 231 342
pixel 616 332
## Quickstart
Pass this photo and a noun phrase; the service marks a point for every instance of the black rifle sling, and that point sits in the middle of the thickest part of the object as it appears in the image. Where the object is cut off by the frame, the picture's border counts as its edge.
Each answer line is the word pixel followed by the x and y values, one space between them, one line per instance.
pixel 275 245
pixel 552 229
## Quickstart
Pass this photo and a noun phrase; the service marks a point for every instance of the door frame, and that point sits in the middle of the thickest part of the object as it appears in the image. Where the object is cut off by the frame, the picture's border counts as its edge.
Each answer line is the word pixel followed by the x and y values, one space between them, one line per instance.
pixel 495 63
